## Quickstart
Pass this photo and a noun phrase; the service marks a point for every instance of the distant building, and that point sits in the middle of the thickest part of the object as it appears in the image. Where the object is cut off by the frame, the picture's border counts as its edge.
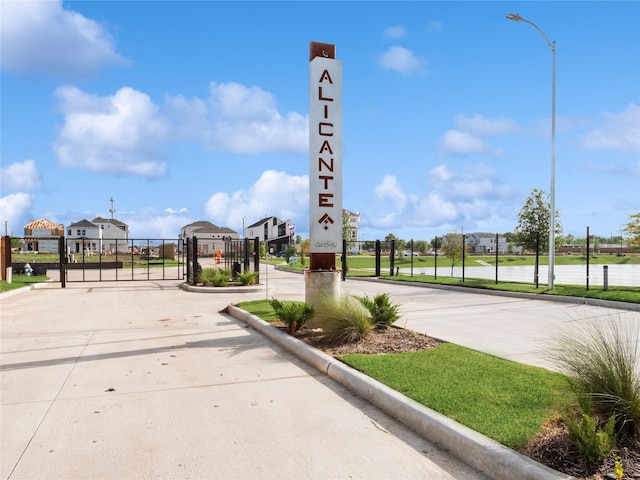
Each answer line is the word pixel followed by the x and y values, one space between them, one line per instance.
pixel 485 243
pixel 98 235
pixel 210 237
pixel 42 236
pixel 351 225
pixel 277 233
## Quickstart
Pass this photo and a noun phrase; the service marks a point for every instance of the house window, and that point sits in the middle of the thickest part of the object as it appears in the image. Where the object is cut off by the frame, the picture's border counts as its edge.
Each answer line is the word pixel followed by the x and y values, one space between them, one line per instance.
pixel 69 232
pixel 79 232
pixel 84 232
pixel 102 227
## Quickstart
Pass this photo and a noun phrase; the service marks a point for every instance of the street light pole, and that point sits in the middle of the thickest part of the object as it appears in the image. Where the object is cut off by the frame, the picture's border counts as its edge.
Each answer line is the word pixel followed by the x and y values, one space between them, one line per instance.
pixel 552 213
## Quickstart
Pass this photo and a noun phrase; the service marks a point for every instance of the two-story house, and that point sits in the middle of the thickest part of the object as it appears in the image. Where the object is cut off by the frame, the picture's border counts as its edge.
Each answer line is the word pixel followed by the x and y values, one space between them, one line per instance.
pixel 277 233
pixel 98 235
pixel 210 237
pixel 42 236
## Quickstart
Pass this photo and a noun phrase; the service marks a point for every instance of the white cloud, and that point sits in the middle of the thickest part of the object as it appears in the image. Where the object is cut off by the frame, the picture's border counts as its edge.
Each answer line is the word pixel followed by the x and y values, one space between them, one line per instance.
pixel 462 143
pixel 466 138
pixel 13 210
pixel 618 131
pixel 397 31
pixel 402 60
pixel 485 127
pixel 42 37
pixel 20 176
pixel 274 193
pixel 154 223
pixel 125 133
pixel 116 134
pixel 454 197
pixel 390 189
pixel 240 119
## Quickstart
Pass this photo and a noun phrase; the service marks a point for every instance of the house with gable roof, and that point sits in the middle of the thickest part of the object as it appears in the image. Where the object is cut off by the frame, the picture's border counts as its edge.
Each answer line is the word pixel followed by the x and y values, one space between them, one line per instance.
pixel 210 236
pixel 98 235
pixel 42 236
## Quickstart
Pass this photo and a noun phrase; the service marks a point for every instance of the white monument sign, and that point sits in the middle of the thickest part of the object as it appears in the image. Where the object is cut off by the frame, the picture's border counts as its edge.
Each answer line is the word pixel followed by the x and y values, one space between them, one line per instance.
pixel 325 152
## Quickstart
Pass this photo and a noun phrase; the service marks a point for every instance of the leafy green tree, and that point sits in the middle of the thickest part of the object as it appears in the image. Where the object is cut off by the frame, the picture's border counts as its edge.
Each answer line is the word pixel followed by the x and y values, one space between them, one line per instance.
pixel 421 246
pixel 453 248
pixel 534 218
pixel 632 230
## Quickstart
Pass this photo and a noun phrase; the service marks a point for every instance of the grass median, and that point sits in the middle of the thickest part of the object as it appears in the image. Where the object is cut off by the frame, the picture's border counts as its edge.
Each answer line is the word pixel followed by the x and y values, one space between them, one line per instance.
pixel 504 400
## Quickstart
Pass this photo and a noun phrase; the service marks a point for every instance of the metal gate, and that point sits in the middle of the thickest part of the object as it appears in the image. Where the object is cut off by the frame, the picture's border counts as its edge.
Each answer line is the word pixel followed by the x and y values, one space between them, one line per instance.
pixel 104 260
pixel 236 256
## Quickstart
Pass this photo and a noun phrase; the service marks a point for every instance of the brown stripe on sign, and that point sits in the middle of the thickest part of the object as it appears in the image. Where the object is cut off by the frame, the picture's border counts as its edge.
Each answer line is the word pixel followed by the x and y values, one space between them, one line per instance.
pixel 317 49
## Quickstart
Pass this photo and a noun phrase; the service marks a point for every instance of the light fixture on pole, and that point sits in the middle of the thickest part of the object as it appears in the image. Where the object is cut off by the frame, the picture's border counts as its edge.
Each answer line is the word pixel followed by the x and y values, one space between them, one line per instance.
pixel 552 209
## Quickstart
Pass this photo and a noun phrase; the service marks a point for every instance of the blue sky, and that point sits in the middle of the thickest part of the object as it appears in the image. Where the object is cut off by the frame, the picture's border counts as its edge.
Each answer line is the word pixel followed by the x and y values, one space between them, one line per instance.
pixel 186 111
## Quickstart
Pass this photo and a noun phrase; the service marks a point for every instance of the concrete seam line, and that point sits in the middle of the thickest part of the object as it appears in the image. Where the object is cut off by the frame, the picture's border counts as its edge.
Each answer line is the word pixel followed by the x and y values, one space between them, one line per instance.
pixel 314 357
pixel 473 448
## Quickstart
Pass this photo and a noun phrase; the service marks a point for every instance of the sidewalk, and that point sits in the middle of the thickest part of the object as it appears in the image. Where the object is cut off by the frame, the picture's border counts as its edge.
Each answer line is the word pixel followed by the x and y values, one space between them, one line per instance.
pixel 120 380
pixel 142 380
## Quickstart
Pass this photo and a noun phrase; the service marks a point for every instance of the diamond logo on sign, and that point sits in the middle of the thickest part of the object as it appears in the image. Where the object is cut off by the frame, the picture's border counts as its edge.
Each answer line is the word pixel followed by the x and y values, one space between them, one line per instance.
pixel 326 219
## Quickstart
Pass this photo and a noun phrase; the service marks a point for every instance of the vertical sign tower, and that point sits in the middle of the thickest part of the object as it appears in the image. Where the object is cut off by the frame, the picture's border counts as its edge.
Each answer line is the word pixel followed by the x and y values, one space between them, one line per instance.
pixel 325 171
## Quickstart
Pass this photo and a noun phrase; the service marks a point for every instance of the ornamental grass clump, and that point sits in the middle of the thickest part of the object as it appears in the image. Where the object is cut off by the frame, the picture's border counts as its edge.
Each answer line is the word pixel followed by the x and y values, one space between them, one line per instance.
pixel 216 277
pixel 247 278
pixel 343 319
pixel 383 312
pixel 602 363
pixel 293 314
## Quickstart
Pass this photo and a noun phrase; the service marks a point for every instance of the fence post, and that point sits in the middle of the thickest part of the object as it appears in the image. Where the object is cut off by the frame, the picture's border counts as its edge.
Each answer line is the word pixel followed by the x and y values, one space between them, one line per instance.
pixel 62 253
pixel 435 259
pixel 256 258
pixel 535 273
pixel 6 255
pixel 605 277
pixel 392 257
pixel 344 260
pixel 588 246
pixel 377 258
pixel 464 248
pixel 497 258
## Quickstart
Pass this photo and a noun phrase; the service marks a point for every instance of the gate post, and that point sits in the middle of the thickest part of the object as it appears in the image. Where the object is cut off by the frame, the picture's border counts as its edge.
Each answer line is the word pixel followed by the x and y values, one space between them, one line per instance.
pixel 256 258
pixel 5 255
pixel 377 258
pixel 62 253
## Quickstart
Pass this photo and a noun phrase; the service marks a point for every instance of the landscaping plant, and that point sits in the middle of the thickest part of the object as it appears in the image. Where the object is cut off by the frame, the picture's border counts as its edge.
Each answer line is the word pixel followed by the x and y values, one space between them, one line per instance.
pixel 601 361
pixel 383 312
pixel 247 278
pixel 343 319
pixel 594 441
pixel 293 314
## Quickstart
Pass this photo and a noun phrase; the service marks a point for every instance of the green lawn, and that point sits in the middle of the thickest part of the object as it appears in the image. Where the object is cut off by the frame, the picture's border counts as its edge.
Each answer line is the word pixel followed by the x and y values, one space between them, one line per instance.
pixel 19 281
pixel 501 399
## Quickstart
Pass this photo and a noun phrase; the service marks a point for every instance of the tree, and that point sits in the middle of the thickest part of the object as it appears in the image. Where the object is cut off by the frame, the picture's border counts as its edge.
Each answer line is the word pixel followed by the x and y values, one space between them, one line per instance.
pixel 534 218
pixel 632 230
pixel 453 248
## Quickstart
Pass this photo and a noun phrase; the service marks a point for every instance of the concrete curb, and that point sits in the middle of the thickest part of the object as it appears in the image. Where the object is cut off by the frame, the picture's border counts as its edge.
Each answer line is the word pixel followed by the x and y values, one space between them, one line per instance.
pixel 476 450
pixel 595 302
pixel 234 289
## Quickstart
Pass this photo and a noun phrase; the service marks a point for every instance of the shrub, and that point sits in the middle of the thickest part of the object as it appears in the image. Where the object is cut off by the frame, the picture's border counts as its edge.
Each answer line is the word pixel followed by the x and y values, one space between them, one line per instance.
pixel 383 312
pixel 293 314
pixel 343 319
pixel 594 442
pixel 216 277
pixel 601 361
pixel 247 278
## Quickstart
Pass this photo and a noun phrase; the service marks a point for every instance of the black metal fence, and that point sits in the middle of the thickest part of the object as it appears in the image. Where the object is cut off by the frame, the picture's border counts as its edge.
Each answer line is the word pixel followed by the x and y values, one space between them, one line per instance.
pixel 579 265
pixel 236 257
pixel 84 260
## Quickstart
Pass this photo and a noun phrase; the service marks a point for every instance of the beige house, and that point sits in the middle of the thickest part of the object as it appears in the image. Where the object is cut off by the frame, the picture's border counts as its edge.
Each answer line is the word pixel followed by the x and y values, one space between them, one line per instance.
pixel 42 236
pixel 210 237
